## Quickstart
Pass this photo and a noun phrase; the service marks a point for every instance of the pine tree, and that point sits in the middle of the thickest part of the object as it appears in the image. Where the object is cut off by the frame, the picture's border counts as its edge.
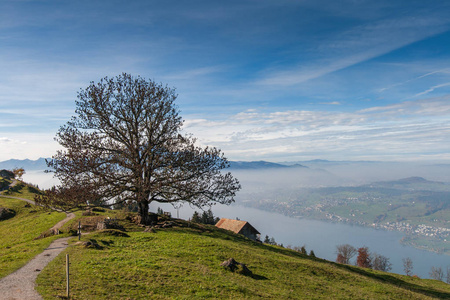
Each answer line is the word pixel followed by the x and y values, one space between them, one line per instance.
pixel 303 250
pixel 196 217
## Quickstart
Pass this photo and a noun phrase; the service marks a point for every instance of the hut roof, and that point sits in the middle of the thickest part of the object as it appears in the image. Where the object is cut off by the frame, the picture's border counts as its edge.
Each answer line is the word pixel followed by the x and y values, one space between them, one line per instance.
pixel 234 225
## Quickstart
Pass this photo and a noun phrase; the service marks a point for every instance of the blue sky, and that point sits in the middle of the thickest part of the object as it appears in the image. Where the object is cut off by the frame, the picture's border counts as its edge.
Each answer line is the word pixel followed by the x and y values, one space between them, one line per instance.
pixel 262 80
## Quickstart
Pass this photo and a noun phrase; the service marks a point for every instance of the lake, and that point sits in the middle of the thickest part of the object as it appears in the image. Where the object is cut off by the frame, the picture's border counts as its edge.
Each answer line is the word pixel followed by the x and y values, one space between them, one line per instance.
pixel 322 237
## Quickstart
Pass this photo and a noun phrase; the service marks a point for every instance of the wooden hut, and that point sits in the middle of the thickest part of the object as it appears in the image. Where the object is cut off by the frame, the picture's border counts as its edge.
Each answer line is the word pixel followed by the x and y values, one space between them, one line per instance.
pixel 240 227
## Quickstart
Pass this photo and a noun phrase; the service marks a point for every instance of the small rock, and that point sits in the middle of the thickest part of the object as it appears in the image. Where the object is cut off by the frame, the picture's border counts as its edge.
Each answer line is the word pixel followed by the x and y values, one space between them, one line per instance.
pixel 237 267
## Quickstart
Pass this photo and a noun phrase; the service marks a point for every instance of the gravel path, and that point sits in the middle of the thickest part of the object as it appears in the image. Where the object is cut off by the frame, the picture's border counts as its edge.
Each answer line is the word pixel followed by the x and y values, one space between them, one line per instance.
pixel 20 284
pixel 23 199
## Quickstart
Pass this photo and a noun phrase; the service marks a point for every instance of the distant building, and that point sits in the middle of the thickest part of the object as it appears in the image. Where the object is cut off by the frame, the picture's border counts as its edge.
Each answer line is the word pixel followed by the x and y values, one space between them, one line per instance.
pixel 240 227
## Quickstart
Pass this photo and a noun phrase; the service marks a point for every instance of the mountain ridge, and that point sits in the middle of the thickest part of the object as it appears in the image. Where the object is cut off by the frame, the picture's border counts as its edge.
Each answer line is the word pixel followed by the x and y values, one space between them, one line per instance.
pixel 248 165
pixel 40 164
pixel 27 164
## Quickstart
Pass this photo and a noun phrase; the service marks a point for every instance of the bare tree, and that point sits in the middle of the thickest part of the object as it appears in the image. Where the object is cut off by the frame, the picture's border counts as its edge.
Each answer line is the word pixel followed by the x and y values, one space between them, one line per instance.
pixel 437 273
pixel 69 197
pixel 407 266
pixel 345 253
pixel 381 263
pixel 448 275
pixel 125 145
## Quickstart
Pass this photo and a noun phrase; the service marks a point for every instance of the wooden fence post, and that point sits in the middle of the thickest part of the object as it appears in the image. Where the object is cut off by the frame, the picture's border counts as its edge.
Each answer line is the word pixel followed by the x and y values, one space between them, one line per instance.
pixel 67 275
pixel 79 230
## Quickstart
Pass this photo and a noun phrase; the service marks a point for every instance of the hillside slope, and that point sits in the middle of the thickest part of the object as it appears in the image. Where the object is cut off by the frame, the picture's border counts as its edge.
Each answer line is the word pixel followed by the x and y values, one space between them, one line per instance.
pixel 184 263
pixel 18 233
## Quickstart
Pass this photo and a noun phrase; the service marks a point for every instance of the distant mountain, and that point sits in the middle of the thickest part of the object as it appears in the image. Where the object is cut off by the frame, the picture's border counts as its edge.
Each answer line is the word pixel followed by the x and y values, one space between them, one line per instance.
pixel 324 162
pixel 403 181
pixel 27 164
pixel 411 180
pixel 254 165
pixel 411 183
pixel 40 164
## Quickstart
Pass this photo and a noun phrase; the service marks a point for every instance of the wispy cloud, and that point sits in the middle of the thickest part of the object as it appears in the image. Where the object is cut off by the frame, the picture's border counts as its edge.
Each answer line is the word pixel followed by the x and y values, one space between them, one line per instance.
pixel 431 89
pixel 331 103
pixel 195 73
pixel 357 45
pixel 408 127
pixel 442 71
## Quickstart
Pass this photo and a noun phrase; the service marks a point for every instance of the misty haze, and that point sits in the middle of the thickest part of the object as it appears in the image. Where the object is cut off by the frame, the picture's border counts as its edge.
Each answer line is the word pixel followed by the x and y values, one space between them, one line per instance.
pixel 278 188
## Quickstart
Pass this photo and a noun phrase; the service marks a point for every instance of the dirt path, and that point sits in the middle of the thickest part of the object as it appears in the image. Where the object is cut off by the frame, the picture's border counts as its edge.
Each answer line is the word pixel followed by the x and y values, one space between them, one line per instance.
pixel 23 199
pixel 69 215
pixel 20 284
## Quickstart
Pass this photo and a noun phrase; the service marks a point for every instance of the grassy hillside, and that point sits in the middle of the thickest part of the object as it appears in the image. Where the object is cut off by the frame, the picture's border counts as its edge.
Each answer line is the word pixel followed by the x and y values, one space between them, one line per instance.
pixel 17 244
pixel 17 233
pixel 20 189
pixel 184 263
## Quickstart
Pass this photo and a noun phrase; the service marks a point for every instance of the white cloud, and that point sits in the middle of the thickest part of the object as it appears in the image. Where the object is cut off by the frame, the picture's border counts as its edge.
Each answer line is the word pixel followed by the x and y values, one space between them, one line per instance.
pixel 331 103
pixel 410 128
pixel 31 146
pixel 430 107
pixel 4 140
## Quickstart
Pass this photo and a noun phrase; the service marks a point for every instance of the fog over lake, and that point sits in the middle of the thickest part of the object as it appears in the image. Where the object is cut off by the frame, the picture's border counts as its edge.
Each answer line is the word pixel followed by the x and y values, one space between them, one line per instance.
pixel 320 236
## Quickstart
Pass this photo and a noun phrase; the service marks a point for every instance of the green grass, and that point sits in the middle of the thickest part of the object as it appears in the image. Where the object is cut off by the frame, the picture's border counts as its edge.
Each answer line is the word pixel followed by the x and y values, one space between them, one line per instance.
pixel 184 263
pixel 17 246
pixel 22 190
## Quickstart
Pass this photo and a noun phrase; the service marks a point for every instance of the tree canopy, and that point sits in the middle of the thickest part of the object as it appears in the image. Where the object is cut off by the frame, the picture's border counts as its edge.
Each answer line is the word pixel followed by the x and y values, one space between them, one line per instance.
pixel 364 260
pixel 125 145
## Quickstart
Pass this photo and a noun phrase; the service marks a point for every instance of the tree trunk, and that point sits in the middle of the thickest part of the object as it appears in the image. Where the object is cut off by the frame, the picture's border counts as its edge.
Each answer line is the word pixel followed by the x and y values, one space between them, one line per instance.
pixel 146 217
pixel 143 212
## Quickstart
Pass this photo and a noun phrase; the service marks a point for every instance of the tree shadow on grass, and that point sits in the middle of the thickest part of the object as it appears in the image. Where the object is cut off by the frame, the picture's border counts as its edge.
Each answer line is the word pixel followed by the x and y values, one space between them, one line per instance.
pixel 390 279
pixel 107 243
pixel 258 277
